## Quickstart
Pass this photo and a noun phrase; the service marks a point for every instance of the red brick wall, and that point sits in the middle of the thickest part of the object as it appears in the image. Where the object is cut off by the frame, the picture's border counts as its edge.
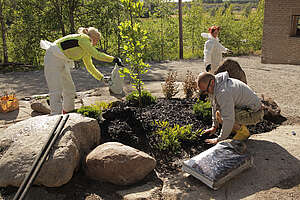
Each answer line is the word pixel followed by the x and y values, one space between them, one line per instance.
pixel 277 44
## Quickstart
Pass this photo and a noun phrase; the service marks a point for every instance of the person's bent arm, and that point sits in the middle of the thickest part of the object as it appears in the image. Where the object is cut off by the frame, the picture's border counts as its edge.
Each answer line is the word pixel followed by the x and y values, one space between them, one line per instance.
pixel 87 60
pixel 228 115
pixel 223 49
pixel 92 51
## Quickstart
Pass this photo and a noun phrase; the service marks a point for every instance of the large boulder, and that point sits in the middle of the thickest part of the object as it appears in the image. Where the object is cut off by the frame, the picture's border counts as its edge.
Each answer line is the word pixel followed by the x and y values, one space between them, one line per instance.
pixel 23 141
pixel 234 70
pixel 118 164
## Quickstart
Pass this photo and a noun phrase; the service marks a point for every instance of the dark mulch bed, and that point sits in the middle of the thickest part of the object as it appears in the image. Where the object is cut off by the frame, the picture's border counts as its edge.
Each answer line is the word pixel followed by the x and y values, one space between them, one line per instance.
pixel 123 123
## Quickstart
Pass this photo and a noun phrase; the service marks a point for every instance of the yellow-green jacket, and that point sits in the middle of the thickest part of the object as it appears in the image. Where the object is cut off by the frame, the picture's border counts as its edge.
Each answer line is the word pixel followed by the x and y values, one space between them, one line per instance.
pixel 79 46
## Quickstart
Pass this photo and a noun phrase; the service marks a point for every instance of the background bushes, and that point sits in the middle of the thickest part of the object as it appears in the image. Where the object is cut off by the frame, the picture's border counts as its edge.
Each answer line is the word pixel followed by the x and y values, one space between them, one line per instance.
pixel 26 22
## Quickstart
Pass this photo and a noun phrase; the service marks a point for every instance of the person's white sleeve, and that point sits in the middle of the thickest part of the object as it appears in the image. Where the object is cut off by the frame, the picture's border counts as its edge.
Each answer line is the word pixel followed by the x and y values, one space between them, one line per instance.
pixel 227 113
pixel 222 48
pixel 208 52
pixel 213 115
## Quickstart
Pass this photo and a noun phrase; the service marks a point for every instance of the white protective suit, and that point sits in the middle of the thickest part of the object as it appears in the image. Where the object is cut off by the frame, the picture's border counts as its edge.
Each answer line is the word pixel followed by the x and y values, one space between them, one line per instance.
pixel 57 72
pixel 213 50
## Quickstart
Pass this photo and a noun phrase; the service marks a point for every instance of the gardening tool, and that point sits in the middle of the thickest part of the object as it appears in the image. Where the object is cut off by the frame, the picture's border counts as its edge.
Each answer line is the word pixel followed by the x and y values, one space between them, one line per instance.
pixel 32 174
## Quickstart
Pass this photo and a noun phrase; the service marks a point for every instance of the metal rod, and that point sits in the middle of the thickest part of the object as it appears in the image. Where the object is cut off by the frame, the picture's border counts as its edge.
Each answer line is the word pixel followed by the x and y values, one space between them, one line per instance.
pixel 45 155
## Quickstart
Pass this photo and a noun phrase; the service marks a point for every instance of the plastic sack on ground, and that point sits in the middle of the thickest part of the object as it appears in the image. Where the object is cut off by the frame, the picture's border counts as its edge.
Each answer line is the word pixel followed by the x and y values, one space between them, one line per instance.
pixel 8 103
pixel 220 163
pixel 116 83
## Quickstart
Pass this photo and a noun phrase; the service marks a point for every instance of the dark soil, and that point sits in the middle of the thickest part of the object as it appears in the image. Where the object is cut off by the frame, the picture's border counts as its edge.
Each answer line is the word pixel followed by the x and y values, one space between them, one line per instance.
pixel 125 123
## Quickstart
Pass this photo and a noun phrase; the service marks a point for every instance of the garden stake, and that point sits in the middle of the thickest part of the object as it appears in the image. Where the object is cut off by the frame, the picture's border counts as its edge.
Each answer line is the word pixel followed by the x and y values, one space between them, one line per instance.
pixel 30 177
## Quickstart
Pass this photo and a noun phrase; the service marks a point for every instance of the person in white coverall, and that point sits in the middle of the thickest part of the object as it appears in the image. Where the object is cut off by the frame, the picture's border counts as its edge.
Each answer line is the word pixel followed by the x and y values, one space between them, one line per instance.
pixel 213 49
pixel 234 105
pixel 60 57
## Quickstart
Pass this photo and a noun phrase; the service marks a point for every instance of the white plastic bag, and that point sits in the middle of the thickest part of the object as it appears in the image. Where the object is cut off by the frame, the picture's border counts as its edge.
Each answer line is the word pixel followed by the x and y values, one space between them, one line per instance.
pixel 116 83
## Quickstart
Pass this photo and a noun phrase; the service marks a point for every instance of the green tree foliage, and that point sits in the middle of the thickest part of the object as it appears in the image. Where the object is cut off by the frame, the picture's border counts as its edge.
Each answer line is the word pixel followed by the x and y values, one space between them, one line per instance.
pixel 194 23
pixel 106 16
pixel 25 31
pixel 4 16
pixel 134 39
pixel 253 28
pixel 162 28
pixel 26 22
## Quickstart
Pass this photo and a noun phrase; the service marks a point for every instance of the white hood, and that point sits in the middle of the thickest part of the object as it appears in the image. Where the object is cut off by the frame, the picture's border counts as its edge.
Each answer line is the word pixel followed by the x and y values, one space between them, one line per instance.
pixel 206 35
pixel 209 36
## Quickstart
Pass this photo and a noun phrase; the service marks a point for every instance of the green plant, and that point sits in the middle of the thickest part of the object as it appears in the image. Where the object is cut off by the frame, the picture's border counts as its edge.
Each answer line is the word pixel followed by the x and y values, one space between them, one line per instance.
pixel 146 98
pixel 202 109
pixel 189 85
pixel 93 111
pixel 134 39
pixel 170 87
pixel 172 137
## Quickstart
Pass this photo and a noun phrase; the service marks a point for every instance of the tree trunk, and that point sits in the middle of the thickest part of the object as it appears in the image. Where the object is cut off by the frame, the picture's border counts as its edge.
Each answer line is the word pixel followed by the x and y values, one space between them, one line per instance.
pixel 3 31
pixel 59 10
pixel 62 26
pixel 180 29
pixel 72 6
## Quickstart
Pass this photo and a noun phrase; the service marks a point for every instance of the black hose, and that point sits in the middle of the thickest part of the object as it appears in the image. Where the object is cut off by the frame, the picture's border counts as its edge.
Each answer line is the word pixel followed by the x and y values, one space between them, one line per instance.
pixel 30 177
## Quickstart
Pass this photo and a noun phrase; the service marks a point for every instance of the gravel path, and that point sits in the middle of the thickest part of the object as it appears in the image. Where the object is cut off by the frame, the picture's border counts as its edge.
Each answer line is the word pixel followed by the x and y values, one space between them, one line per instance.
pixel 280 82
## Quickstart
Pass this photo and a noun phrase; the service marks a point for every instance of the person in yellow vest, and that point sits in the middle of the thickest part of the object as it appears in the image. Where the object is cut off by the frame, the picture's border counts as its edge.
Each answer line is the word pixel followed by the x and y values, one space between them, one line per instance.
pixel 59 59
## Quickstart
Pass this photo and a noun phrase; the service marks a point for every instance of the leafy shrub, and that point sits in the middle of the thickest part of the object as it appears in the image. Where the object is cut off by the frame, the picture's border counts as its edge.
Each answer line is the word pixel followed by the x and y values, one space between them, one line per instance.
pixel 202 109
pixel 172 137
pixel 170 88
pixel 189 85
pixel 146 98
pixel 93 111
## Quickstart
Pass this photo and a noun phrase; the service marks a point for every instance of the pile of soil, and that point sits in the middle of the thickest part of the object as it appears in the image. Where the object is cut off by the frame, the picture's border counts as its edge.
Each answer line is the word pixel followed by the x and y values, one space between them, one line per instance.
pixel 127 124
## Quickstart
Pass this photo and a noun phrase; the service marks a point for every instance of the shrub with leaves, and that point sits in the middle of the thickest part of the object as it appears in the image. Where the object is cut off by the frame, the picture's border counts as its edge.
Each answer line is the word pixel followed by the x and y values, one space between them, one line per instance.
pixel 170 87
pixel 93 111
pixel 172 137
pixel 202 109
pixel 189 85
pixel 146 98
pixel 134 40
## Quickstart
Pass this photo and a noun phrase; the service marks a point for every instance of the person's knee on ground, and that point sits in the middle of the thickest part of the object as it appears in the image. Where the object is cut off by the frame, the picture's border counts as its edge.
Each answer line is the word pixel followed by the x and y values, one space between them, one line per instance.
pixel 241 132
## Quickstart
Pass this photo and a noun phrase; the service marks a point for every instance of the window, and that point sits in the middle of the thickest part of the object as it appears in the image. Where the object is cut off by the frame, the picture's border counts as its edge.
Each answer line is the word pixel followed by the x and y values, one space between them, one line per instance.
pixel 295 30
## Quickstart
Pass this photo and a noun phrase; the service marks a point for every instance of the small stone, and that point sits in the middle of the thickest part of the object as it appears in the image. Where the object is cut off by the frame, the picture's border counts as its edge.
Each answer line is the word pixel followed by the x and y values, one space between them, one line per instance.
pixel 293 133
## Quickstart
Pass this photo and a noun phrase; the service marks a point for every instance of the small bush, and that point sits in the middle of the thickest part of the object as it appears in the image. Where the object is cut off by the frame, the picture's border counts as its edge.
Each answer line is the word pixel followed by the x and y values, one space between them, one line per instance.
pixel 146 98
pixel 170 88
pixel 171 137
pixel 202 110
pixel 189 85
pixel 93 111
